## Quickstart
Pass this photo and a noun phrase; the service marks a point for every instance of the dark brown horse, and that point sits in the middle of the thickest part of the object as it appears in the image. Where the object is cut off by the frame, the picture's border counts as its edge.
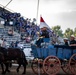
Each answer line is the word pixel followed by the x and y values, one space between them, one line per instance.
pixel 12 54
pixel 2 58
pixel 1 61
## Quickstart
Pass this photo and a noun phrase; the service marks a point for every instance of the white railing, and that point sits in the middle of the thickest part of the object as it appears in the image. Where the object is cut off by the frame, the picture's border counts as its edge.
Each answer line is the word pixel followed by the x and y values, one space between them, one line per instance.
pixel 6 8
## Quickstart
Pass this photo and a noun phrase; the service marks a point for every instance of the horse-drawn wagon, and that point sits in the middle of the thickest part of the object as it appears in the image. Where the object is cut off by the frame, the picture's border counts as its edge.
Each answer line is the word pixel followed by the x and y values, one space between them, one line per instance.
pixel 51 59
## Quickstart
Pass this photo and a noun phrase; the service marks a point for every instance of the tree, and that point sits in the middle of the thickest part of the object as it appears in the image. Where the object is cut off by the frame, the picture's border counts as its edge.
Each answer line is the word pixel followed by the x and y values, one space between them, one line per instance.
pixel 57 30
pixel 68 32
pixel 75 32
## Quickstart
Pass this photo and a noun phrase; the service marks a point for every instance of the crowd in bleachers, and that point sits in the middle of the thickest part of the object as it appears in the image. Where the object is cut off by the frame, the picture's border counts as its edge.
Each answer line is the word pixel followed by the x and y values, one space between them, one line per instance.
pixel 25 27
pixel 19 23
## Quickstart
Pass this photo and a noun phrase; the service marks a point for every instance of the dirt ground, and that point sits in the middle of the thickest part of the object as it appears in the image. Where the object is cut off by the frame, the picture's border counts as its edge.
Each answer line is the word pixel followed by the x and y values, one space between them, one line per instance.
pixel 28 71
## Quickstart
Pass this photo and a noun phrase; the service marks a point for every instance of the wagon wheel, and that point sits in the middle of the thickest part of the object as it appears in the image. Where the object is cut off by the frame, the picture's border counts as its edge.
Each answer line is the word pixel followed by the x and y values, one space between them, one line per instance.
pixel 51 65
pixel 65 67
pixel 37 67
pixel 72 64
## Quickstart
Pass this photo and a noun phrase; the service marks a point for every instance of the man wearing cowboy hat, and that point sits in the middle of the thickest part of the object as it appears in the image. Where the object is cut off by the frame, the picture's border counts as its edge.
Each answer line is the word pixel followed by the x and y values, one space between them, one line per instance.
pixel 66 41
pixel 72 40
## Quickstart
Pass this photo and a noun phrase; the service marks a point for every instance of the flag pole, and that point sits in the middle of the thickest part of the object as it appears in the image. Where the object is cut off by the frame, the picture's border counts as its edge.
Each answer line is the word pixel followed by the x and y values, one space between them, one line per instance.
pixel 7 3
pixel 37 11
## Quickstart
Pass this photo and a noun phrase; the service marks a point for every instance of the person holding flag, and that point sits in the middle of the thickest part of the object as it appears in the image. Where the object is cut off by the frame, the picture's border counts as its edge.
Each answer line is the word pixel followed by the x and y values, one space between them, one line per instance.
pixel 44 27
pixel 43 32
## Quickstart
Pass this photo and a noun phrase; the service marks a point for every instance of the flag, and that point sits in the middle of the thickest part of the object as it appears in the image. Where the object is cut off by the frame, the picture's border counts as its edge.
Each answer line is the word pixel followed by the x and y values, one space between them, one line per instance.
pixel 55 37
pixel 43 23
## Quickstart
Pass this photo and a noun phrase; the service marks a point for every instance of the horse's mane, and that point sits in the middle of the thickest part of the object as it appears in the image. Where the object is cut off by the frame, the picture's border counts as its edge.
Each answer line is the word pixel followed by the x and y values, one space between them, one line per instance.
pixel 3 50
pixel 15 52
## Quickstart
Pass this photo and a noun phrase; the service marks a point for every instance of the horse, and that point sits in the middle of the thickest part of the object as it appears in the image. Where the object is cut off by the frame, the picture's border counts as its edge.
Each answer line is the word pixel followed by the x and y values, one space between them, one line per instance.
pixel 1 61
pixel 10 54
pixel 2 58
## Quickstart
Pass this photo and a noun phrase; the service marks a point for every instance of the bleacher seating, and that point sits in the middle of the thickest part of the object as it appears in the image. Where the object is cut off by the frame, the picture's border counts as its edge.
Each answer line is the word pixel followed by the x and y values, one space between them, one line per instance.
pixel 9 39
pixel 19 24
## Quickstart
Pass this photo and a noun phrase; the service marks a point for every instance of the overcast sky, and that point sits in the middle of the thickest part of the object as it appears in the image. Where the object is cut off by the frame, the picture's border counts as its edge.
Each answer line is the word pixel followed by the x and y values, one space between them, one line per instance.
pixel 54 12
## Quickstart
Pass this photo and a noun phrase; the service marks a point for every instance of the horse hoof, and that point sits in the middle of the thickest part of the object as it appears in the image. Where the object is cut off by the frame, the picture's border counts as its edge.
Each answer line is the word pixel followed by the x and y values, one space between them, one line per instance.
pixel 23 73
pixel 8 70
pixel 3 73
pixel 17 70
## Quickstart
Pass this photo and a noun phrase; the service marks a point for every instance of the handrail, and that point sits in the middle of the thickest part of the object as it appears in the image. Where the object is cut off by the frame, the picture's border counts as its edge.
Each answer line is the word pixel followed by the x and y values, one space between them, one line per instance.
pixel 7 8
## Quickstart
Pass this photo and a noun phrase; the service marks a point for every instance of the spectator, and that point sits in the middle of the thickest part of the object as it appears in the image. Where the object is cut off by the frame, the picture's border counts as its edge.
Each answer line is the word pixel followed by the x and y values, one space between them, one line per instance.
pixel 16 43
pixel 10 32
pixel 3 43
pixel 12 44
pixel 28 39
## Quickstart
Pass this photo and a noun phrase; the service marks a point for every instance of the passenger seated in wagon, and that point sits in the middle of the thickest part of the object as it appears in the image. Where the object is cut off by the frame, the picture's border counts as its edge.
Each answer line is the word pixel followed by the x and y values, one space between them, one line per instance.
pixel 72 40
pixel 66 41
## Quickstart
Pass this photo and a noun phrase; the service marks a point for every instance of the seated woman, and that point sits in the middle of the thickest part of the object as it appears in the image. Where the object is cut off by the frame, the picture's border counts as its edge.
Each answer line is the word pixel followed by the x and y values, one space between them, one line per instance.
pixel 10 32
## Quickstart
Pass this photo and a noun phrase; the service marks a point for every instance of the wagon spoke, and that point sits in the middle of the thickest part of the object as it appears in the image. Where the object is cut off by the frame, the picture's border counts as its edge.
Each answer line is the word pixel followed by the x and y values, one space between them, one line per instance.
pixel 51 65
pixel 72 64
pixel 37 67
pixel 73 60
pixel 65 67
